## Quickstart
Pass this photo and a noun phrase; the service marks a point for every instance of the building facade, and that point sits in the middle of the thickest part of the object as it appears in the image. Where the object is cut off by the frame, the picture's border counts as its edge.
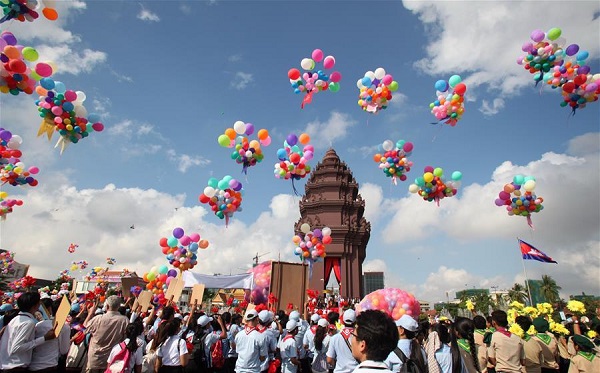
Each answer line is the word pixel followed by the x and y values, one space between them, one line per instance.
pixel 373 281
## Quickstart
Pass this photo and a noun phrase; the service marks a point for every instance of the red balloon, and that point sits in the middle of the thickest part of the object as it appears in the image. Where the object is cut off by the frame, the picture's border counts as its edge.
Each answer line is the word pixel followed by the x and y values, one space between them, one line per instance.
pixel 460 89
pixel 580 79
pixel 294 74
pixel 163 242
pixel 568 87
pixel 203 198
pixel 17 66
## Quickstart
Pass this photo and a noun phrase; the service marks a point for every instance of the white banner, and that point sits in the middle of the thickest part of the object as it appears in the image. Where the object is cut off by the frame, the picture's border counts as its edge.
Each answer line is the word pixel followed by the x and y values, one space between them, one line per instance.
pixel 244 281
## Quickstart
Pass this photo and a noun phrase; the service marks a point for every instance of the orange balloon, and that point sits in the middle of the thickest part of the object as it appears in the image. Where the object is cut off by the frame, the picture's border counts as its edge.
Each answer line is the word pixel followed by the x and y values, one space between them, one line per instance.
pixel 12 52
pixel 203 244
pixel 50 13
pixel 377 158
pixel 263 134
pixel 304 139
pixel 230 132
pixel 41 90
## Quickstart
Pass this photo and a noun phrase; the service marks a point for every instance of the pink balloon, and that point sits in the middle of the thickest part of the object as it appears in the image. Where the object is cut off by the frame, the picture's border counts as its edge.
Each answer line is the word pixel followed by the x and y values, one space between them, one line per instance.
pixel 387 80
pixel 43 69
pixel 266 142
pixel 70 95
pixel 428 169
pixel 329 62
pixel 195 237
pixel 335 77
pixel 33 170
pixel 317 55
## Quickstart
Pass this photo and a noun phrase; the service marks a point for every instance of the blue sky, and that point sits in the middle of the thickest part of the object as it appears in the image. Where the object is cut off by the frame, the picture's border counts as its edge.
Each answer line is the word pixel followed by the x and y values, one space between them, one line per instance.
pixel 168 77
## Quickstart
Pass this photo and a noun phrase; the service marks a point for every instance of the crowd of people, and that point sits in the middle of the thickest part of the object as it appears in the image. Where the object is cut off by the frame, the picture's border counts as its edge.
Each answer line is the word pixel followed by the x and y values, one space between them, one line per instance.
pixel 119 336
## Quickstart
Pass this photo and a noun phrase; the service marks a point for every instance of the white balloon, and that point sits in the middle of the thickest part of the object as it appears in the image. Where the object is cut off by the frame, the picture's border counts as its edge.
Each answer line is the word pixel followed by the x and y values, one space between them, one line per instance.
pixel 239 127
pixel 379 73
pixel 413 188
pixel 370 74
pixel 359 84
pixel 305 228
pixel 209 192
pixel 388 145
pixel 326 231
pixel 307 64
pixel 80 96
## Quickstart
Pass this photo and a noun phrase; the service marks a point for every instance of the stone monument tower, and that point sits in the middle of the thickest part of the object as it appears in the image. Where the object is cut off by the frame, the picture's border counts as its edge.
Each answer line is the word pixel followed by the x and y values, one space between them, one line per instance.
pixel 331 200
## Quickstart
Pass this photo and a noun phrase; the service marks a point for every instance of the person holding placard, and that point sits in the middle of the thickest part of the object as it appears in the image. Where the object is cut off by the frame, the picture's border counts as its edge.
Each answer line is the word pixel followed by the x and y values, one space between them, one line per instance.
pixel 45 356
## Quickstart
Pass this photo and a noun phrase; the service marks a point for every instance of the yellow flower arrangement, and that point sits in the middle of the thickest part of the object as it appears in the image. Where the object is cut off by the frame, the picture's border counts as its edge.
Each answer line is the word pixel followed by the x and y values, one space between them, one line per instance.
pixel 592 334
pixel 516 329
pixel 511 315
pixel 559 328
pixel 531 311
pixel 545 308
pixel 576 306
pixel 469 304
pixel 517 305
pixel 531 330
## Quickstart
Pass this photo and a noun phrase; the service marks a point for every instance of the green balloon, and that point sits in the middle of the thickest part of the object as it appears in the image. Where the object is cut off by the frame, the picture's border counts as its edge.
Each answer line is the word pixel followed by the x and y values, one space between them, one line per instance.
pixel 224 141
pixel 213 182
pixel 454 80
pixel 334 87
pixel 30 54
pixel 393 86
pixel 438 172
pixel 554 33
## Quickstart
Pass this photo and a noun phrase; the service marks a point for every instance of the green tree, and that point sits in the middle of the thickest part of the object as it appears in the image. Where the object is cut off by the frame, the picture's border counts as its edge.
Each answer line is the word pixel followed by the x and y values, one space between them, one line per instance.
pixel 518 293
pixel 550 289
pixel 483 302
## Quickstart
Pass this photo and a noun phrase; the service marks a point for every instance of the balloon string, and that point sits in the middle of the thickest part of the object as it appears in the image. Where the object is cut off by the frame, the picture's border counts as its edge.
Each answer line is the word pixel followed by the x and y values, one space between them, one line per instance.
pixel 226 221
pixel 530 223
pixel 435 135
pixel 294 188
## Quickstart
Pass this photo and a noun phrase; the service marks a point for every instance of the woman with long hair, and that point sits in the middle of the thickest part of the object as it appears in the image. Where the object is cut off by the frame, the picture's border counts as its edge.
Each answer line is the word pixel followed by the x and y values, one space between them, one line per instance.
pixel 135 347
pixel 464 330
pixel 447 355
pixel 320 346
pixel 172 354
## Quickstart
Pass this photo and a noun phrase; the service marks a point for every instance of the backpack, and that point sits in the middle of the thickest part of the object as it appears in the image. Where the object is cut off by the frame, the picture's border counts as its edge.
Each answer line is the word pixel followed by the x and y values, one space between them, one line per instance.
pixel 408 364
pixel 216 354
pixel 198 352
pixel 119 362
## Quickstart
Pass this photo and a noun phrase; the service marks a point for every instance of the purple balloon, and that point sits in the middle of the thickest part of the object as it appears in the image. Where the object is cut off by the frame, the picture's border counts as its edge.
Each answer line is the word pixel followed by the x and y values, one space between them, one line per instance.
pixel 537 35
pixel 5 135
pixel 317 233
pixel 572 50
pixel 526 47
pixel 249 129
pixel 172 273
pixel 178 232
pixel 292 139
pixel 9 38
pixel 585 69
pixel 499 202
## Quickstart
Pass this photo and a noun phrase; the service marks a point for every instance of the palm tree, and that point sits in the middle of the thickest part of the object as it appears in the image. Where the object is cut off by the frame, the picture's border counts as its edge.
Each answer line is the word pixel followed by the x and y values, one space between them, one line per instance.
pixel 518 293
pixel 549 289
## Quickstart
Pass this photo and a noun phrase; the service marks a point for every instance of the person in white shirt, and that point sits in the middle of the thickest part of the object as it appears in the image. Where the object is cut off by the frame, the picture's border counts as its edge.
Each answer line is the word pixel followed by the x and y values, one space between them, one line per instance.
pixel 309 336
pixel 172 354
pixel 339 353
pixel 375 337
pixel 320 344
pixel 18 340
pixel 250 346
pixel 234 328
pixel 302 328
pixel 289 350
pixel 264 320
pixel 135 347
pixel 45 356
pixel 407 345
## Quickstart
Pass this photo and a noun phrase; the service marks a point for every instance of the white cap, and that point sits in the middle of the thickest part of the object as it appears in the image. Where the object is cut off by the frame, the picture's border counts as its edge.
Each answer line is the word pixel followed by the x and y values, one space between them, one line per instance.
pixel 291 325
pixel 295 315
pixel 407 323
pixel 264 316
pixel 178 316
pixel 315 317
pixel 323 323
pixel 204 320
pixel 349 316
pixel 250 315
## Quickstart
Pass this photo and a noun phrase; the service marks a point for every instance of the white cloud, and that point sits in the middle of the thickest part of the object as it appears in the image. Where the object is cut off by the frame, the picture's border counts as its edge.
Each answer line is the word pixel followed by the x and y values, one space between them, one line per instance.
pixel 235 58
pixel 324 134
pixel 241 80
pixel 493 108
pixel 99 221
pixel 473 51
pixel 68 59
pixel 185 161
pixel 147 15
pixel 185 8
pixel 372 194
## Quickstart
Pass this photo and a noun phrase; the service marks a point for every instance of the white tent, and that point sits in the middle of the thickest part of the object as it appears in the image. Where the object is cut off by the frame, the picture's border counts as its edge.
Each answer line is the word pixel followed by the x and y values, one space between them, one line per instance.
pixel 244 281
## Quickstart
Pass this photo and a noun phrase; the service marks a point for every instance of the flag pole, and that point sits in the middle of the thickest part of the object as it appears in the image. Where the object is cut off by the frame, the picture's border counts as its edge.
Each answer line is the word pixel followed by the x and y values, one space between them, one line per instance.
pixel 525 272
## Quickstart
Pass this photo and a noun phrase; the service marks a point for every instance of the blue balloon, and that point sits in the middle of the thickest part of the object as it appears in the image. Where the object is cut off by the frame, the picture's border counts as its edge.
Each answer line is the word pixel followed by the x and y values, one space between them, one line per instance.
pixel 47 83
pixel 366 81
pixel 282 154
pixel 93 118
pixel 582 55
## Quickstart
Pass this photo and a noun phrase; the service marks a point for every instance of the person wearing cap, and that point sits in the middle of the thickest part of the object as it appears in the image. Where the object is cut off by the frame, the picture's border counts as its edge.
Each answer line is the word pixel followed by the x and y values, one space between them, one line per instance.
pixel 250 346
pixel 234 328
pixel 18 341
pixel 373 340
pixel 506 350
pixel 289 349
pixel 585 359
pixel 216 330
pixel 407 328
pixel 548 344
pixel 264 322
pixel 299 337
pixel 3 310
pixel 339 353
pixel 319 347
pixel 309 336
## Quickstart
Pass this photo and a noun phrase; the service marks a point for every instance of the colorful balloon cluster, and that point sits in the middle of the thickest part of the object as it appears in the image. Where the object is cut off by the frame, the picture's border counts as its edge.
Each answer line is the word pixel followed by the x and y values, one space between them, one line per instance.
pixel 72 248
pixel 12 170
pixel 80 265
pixel 224 196
pixel 581 90
pixel 543 54
pixel 63 111
pixel 394 161
pixel 7 259
pixel 432 186
pixel 16 75
pixel 311 246
pixel 375 90
pixel 262 283
pixel 247 153
pixel 111 261
pixel 25 10
pixel 97 273
pixel 449 105
pixel 293 160
pixel 158 279
pixel 181 249
pixel 7 204
pixel 572 64
pixel 519 198
pixel 394 302
pixel 312 81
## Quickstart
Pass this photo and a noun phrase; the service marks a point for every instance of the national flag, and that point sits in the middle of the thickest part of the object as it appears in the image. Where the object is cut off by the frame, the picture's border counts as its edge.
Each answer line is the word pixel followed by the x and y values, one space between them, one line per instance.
pixel 530 252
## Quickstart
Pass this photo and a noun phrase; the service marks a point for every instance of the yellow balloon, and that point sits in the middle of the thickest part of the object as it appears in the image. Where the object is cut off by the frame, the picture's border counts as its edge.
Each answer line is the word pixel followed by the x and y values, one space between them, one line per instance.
pixel 428 177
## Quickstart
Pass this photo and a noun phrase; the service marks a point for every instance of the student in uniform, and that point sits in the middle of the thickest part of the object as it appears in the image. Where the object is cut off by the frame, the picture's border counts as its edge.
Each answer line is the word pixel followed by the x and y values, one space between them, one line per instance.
pixel 407 328
pixel 585 359
pixel 289 350
pixel 172 354
pixel 534 356
pixel 548 344
pixel 250 346
pixel 506 350
pixel 373 340
pixel 339 353
pixel 464 330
